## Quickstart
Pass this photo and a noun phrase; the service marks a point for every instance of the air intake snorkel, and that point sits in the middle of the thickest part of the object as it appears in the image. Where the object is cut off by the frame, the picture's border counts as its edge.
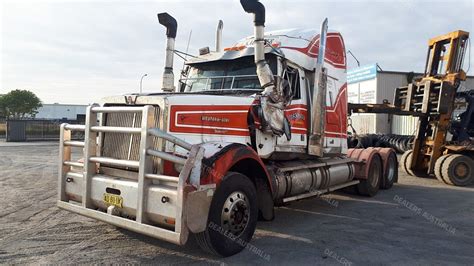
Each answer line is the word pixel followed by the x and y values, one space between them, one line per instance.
pixel 171 25
pixel 264 73
pixel 273 99
pixel 220 26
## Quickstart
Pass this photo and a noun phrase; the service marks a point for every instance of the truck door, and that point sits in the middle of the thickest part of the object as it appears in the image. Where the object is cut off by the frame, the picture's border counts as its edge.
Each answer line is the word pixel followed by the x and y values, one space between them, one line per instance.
pixel 296 112
pixel 335 132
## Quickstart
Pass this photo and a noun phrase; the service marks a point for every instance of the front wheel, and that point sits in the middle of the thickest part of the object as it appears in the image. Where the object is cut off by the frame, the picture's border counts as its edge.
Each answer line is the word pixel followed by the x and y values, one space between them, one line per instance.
pixel 232 216
pixel 458 170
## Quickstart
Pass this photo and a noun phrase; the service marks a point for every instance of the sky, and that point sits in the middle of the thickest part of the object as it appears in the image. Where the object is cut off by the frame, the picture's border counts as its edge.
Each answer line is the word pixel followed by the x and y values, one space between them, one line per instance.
pixel 76 52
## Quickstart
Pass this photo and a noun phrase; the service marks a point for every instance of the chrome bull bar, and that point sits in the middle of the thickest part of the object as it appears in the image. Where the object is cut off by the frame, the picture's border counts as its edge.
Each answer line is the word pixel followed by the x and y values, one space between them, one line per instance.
pixel 91 153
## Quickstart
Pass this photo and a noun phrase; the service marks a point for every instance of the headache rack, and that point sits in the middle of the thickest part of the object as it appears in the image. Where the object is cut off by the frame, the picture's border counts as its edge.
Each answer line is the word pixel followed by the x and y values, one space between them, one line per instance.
pixel 92 158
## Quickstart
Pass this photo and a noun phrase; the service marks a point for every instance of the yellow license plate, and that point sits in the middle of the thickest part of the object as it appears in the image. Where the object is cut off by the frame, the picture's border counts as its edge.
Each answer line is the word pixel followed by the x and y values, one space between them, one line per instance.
pixel 112 199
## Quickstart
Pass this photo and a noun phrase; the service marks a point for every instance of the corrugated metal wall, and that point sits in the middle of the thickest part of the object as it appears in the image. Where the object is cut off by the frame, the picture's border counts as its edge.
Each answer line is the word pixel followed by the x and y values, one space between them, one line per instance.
pixel 387 82
pixel 382 123
pixel 404 125
pixel 363 123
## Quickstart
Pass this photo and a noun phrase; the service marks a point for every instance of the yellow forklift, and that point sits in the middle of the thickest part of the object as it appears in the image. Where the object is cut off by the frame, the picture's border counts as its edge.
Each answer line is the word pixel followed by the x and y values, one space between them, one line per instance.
pixel 437 148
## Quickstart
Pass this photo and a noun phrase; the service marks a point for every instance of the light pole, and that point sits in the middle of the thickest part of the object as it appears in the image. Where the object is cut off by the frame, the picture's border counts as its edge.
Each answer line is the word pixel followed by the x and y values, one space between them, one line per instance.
pixel 358 63
pixel 141 80
pixel 358 83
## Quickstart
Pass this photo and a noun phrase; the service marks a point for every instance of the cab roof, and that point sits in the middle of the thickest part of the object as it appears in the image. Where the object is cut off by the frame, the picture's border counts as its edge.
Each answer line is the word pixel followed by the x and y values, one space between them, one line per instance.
pixel 299 46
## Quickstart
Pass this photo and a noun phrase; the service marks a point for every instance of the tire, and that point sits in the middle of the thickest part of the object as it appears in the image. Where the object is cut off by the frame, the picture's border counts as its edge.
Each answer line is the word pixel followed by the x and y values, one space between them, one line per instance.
pixel 370 186
pixel 352 190
pixel 390 175
pixel 399 146
pixel 405 160
pixel 438 166
pixel 458 170
pixel 407 144
pixel 236 193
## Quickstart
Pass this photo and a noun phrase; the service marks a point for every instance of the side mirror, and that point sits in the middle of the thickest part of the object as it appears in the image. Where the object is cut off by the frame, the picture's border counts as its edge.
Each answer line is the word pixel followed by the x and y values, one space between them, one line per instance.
pixel 285 90
pixel 184 75
pixel 184 71
pixel 287 94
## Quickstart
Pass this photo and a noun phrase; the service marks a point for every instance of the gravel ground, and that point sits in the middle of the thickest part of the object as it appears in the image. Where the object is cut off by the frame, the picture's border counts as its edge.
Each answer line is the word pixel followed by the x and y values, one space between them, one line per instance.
pixel 418 221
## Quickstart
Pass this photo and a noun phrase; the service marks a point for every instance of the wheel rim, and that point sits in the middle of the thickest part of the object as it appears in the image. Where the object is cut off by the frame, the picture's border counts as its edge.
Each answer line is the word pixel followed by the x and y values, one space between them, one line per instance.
pixel 235 213
pixel 392 165
pixel 461 170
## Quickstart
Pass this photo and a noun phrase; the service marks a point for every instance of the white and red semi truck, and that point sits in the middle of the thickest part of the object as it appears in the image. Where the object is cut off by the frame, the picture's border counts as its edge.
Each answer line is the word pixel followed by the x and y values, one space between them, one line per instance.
pixel 248 128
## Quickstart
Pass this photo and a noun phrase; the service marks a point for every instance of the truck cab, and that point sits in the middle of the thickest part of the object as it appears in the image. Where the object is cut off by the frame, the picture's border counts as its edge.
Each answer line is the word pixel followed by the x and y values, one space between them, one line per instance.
pixel 291 56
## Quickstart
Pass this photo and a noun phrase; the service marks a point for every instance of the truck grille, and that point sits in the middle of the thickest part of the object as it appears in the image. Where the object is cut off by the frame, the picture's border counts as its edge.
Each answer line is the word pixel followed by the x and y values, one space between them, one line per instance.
pixel 127 146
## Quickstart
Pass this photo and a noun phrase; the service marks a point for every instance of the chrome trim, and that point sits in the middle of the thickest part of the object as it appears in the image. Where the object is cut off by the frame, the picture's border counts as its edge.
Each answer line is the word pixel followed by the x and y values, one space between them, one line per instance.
pixel 131 225
pixel 320 192
pixel 141 188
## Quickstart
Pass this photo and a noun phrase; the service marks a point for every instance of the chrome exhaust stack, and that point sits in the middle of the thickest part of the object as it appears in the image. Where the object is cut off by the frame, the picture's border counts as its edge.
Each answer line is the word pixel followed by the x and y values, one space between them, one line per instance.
pixel 220 26
pixel 171 25
pixel 273 99
pixel 318 107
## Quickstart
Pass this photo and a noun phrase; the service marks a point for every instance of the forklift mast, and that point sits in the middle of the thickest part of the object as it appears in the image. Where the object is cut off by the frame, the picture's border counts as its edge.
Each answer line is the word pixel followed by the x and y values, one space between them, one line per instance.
pixel 445 57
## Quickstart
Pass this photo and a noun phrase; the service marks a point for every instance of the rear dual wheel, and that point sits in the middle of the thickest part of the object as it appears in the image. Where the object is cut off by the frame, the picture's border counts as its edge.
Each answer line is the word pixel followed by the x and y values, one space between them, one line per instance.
pixel 370 186
pixel 390 175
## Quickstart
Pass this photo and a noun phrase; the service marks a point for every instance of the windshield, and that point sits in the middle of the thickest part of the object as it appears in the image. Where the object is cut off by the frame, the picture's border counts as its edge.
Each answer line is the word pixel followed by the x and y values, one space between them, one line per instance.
pixel 238 74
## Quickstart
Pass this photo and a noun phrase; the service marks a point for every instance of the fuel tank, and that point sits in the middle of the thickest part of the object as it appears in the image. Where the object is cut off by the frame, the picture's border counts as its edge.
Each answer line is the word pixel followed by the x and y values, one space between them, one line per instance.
pixel 298 177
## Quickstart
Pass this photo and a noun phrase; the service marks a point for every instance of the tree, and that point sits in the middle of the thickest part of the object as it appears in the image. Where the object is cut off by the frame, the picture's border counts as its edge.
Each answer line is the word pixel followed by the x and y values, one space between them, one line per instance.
pixel 19 104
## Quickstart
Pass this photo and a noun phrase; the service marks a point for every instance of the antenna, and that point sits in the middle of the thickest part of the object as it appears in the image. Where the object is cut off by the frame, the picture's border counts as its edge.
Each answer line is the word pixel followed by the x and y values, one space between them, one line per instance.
pixel 187 49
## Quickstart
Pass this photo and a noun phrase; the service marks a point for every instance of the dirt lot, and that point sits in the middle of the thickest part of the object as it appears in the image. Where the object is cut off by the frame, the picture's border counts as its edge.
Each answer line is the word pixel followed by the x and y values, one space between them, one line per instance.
pixel 418 221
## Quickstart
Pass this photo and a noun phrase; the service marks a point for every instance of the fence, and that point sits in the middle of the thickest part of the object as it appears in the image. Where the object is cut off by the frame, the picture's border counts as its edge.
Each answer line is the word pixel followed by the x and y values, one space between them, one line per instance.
pixel 3 128
pixel 34 130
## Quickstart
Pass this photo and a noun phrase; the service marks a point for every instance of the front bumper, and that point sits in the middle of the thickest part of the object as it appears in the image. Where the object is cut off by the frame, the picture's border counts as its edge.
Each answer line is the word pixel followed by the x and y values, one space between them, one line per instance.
pixel 178 238
pixel 153 204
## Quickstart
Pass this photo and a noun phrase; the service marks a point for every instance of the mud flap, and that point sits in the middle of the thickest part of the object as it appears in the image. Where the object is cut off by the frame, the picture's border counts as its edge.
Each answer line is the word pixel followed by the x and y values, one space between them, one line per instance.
pixel 265 201
pixel 197 209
